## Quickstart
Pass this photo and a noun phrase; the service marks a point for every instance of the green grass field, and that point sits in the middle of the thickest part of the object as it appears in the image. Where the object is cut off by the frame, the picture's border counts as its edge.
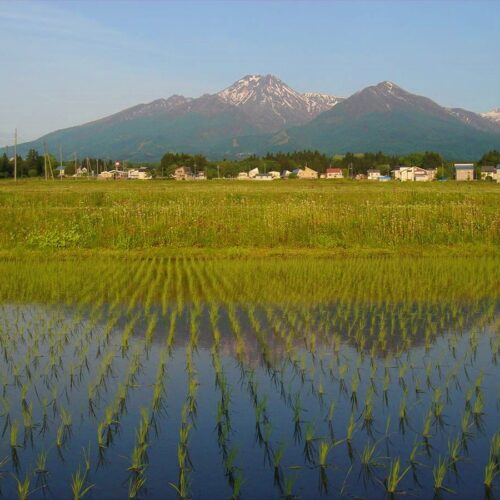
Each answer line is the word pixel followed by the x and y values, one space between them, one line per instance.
pixel 236 216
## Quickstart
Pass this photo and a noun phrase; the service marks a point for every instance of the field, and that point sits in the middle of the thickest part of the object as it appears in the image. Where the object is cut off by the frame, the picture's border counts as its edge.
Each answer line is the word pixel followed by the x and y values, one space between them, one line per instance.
pixel 323 215
pixel 243 340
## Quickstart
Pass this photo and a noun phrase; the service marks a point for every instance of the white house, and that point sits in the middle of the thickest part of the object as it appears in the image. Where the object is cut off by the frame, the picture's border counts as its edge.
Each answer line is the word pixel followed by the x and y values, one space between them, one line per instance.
pixel 414 174
pixel 253 173
pixel 242 176
pixel 334 173
pixel 105 175
pixel 373 175
pixel 142 174
pixel 263 177
pixel 274 174
pixel 489 173
pixel 305 173
pixel 464 171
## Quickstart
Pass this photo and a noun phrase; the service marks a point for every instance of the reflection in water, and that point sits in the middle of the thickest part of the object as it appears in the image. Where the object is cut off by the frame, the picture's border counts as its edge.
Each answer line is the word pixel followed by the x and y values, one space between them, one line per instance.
pixel 209 378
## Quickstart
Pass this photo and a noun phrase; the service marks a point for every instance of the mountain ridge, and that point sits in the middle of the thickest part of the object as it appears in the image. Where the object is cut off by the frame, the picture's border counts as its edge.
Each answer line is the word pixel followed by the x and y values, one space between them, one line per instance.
pixel 260 113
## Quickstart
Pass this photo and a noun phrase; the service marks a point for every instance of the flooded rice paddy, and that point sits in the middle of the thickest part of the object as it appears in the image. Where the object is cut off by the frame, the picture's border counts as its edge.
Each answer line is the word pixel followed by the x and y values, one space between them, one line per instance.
pixel 278 378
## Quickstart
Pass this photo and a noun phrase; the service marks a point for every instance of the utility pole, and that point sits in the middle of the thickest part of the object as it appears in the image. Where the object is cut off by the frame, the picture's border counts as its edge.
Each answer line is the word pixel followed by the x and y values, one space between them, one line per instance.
pixel 45 161
pixel 15 154
pixel 218 172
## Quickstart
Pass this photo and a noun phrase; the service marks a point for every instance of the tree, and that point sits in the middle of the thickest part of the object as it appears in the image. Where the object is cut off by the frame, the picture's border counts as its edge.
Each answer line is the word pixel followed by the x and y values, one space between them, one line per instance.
pixel 32 165
pixel 6 168
pixel 490 158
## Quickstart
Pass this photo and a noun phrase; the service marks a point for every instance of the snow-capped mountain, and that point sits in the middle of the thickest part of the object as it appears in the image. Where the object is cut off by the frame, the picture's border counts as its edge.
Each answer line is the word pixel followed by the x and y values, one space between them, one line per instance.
pixel 493 115
pixel 271 104
pixel 258 114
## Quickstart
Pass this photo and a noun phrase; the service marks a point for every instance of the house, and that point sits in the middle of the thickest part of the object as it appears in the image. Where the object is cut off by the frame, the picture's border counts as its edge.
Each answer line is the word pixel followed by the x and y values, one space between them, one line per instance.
pixel 60 170
pixel 81 172
pixel 360 177
pixel 183 174
pixel 334 173
pixel 373 175
pixel 489 173
pixel 142 174
pixel 105 175
pixel 274 174
pixel 253 173
pixel 396 173
pixel 414 174
pixel 119 174
pixel 305 173
pixel 200 176
pixel 285 174
pixel 242 176
pixel 263 177
pixel 464 171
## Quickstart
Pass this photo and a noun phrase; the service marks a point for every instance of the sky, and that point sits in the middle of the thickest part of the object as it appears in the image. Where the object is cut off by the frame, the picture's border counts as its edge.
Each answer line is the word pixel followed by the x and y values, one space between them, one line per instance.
pixel 68 62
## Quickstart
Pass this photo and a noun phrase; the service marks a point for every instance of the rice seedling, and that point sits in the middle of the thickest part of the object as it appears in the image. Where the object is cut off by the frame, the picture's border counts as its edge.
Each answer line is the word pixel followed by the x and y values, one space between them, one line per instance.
pixel 454 447
pixel 79 486
pixel 41 463
pixel 395 477
pixel 439 474
pixel 23 487
pixel 14 431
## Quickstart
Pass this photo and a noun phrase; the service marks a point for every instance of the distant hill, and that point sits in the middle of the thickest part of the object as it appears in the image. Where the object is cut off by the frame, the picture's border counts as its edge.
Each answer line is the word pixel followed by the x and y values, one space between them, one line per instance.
pixel 258 114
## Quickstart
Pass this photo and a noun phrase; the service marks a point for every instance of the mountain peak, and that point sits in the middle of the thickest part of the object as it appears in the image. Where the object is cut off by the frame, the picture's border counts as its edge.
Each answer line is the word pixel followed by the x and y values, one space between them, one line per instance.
pixel 388 87
pixel 273 103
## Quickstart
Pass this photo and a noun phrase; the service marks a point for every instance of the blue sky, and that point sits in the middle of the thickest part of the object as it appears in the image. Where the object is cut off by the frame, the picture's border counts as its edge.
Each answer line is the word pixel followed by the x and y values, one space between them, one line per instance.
pixel 68 62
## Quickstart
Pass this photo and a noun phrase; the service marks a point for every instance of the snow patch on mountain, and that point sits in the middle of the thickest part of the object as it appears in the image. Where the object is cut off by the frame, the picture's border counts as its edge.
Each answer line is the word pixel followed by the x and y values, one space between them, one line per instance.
pixel 317 102
pixel 493 115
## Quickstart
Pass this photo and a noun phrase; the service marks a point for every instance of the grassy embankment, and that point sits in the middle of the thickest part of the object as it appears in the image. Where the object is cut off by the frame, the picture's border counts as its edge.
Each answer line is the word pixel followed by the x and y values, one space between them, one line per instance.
pixel 234 217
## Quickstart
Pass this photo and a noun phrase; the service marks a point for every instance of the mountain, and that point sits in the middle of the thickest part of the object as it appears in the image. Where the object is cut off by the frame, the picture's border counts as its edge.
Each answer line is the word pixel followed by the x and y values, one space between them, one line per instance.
pixel 493 115
pixel 257 114
pixel 388 118
pixel 271 104
pixel 145 132
pixel 211 124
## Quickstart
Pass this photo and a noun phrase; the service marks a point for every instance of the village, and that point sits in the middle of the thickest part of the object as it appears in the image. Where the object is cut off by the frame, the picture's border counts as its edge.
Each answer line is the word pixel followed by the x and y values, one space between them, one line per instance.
pixel 463 172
